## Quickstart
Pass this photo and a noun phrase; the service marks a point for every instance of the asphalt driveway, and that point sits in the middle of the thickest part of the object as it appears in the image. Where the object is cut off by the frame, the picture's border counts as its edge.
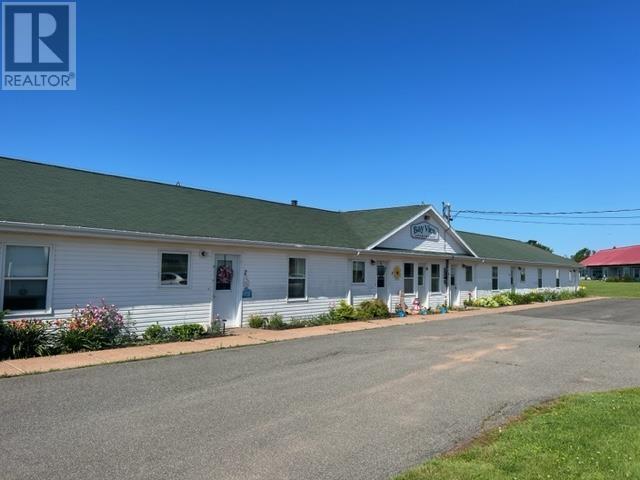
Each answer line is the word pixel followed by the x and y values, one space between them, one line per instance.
pixel 361 405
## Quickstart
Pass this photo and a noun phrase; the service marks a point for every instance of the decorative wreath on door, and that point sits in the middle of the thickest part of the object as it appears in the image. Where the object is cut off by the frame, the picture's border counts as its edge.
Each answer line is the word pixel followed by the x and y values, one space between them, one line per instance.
pixel 396 272
pixel 224 275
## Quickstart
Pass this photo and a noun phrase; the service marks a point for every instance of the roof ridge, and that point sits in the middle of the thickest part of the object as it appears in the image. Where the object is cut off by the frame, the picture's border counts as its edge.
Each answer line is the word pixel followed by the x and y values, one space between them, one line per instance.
pixel 163 184
pixel 387 208
pixel 494 236
pixel 617 248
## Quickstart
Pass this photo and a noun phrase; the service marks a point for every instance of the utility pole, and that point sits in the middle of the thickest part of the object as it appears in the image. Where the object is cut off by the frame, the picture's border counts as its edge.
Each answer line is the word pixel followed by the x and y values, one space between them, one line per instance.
pixel 446 212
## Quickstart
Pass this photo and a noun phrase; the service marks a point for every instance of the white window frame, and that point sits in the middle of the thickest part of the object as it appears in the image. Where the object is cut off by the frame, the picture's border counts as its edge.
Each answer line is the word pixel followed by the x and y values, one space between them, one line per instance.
pixel 306 280
pixel 412 278
pixel 420 277
pixel 353 272
pixel 48 310
pixel 496 278
pixel 189 269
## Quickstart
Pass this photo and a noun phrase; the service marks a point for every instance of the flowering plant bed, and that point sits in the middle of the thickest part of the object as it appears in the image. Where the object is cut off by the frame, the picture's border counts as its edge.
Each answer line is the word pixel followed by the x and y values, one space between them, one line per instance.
pixel 90 328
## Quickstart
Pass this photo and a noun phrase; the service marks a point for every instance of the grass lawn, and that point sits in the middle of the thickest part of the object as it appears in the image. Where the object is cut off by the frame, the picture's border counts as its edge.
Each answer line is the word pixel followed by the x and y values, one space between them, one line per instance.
pixel 587 437
pixel 598 288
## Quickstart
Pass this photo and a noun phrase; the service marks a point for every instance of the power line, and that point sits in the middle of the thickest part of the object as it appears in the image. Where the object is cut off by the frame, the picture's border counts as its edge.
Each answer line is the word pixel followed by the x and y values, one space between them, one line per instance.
pixel 584 212
pixel 612 217
pixel 550 223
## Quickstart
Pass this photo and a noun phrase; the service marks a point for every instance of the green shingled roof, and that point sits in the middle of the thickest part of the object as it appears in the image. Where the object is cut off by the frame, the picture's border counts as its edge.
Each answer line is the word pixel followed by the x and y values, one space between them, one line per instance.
pixel 50 195
pixel 45 194
pixel 487 246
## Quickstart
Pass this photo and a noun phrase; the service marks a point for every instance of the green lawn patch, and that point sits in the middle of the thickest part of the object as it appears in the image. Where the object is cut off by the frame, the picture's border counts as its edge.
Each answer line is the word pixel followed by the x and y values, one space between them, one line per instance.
pixel 587 437
pixel 598 288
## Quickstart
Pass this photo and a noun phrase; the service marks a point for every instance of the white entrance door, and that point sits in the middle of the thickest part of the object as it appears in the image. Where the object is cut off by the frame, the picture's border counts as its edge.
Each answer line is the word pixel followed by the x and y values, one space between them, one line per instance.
pixel 381 282
pixel 226 291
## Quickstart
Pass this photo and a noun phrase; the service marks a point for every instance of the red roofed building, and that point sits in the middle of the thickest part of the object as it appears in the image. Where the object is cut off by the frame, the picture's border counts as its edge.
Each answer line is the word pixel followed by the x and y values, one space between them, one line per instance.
pixel 616 262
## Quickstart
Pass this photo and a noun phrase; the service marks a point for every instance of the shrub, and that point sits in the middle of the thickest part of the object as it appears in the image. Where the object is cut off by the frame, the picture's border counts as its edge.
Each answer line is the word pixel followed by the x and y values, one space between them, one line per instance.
pixel 156 334
pixel 372 309
pixel 187 332
pixel 257 321
pixel 93 327
pixel 275 322
pixel 504 299
pixel 28 338
pixel 216 329
pixel 343 312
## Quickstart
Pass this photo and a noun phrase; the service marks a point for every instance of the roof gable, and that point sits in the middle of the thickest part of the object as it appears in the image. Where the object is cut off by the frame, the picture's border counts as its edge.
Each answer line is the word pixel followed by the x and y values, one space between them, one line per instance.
pixel 427 232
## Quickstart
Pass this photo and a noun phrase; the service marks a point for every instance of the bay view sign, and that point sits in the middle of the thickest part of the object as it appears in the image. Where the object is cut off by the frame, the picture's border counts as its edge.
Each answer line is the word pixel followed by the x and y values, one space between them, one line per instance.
pixel 424 231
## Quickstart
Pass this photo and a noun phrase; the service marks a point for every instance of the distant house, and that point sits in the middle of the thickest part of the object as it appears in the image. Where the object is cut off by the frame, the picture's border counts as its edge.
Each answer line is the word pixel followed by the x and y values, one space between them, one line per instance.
pixel 616 262
pixel 172 254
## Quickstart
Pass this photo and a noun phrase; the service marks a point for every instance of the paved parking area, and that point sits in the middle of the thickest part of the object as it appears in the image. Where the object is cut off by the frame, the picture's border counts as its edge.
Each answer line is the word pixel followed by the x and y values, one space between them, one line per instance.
pixel 626 312
pixel 359 405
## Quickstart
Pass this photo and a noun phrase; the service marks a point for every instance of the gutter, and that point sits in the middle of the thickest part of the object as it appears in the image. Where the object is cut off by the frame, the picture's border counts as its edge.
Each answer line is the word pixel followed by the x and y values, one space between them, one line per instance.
pixel 91 232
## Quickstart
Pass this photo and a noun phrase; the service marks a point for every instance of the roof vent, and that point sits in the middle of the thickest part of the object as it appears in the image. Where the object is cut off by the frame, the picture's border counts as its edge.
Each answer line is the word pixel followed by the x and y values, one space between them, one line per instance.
pixel 294 203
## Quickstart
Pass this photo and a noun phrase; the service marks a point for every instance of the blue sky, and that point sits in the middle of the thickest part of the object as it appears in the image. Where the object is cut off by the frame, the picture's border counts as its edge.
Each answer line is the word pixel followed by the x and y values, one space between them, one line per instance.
pixel 492 105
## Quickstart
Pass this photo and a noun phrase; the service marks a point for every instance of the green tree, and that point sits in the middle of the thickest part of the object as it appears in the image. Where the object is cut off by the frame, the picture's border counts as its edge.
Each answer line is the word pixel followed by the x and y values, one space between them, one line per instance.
pixel 536 243
pixel 582 254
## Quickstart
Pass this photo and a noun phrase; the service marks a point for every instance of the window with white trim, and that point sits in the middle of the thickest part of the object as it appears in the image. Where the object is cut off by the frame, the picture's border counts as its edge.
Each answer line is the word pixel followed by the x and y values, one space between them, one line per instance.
pixel 297 287
pixel 408 278
pixel 357 274
pixel 420 276
pixel 26 278
pixel 539 278
pixel 523 274
pixel 435 277
pixel 557 278
pixel 468 273
pixel 494 278
pixel 174 269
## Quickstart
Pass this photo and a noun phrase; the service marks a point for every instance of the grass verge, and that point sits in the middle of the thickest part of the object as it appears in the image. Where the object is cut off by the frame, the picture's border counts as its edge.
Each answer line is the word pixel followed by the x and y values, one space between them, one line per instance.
pixel 598 288
pixel 587 436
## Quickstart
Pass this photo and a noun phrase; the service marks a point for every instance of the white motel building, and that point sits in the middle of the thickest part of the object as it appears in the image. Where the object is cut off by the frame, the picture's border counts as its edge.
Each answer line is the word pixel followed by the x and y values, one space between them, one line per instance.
pixel 172 254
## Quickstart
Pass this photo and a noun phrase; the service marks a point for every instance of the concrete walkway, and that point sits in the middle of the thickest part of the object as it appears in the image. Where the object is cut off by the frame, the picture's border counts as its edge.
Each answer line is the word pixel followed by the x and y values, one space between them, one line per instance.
pixel 237 337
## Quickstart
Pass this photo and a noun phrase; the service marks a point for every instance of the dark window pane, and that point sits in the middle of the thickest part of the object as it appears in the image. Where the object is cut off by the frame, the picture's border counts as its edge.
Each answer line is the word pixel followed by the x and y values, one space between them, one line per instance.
pixel 408 270
pixel 381 270
pixel 296 288
pixel 469 274
pixel 224 274
pixel 358 272
pixel 175 269
pixel 25 295
pixel 297 267
pixel 435 277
